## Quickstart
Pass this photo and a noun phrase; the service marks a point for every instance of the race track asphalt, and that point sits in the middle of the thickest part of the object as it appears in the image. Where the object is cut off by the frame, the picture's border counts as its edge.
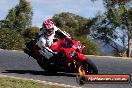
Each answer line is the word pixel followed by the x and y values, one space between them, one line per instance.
pixel 16 63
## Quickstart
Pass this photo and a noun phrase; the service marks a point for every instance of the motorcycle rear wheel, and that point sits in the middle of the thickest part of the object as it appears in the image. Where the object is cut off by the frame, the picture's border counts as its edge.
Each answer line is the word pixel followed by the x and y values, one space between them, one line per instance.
pixel 44 64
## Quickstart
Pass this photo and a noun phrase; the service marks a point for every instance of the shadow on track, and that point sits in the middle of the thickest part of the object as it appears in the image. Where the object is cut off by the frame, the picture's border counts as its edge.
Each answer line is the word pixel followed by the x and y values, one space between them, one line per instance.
pixel 45 73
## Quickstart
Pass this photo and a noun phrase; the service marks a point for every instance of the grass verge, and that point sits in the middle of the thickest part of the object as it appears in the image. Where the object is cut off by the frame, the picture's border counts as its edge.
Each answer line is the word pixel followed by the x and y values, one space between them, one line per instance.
pixel 6 82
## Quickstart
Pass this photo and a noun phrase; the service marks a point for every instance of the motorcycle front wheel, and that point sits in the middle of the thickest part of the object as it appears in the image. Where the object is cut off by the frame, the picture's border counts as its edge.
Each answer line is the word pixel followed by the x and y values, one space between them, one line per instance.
pixel 87 67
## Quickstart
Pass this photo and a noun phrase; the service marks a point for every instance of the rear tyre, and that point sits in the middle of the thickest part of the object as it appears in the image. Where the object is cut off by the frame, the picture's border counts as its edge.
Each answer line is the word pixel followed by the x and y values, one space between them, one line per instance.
pixel 29 48
pixel 45 65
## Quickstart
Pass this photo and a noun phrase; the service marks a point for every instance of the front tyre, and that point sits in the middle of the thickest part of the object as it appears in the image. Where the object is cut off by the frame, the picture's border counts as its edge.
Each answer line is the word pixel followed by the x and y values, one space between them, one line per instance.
pixel 88 67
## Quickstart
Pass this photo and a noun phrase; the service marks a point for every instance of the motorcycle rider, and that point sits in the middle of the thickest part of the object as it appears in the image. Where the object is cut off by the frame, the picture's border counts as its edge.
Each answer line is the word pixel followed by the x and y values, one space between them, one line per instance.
pixel 46 37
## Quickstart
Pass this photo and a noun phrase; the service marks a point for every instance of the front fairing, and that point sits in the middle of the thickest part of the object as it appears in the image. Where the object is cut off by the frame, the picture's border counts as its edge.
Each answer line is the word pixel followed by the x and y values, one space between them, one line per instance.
pixel 73 55
pixel 79 46
pixel 60 44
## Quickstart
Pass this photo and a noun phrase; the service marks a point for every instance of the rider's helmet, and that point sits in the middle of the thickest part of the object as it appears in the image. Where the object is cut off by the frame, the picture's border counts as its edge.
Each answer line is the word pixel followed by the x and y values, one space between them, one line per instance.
pixel 48 26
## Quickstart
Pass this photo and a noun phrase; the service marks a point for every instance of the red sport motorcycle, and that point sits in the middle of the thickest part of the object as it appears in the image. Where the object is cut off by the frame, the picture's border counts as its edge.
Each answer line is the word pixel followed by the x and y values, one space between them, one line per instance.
pixel 69 57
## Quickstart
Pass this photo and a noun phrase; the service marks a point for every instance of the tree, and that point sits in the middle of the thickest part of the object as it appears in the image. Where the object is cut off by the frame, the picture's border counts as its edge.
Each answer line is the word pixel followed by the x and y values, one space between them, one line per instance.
pixel 11 18
pixel 115 25
pixel 71 21
pixel 20 16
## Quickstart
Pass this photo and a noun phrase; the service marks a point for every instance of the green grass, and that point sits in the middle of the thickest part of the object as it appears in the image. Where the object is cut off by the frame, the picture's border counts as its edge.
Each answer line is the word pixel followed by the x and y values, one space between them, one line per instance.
pixel 18 83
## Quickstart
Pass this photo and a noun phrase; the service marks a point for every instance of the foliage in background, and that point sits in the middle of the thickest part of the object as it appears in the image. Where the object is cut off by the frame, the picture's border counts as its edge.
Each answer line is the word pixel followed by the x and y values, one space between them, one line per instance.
pixel 91 47
pixel 115 25
pixel 70 21
pixel 16 27
pixel 78 28
pixel 10 39
pixel 30 33
pixel 18 18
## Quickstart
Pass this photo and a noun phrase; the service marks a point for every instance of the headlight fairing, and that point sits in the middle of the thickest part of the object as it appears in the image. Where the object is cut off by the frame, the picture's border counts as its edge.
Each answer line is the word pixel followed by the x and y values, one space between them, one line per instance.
pixel 79 46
